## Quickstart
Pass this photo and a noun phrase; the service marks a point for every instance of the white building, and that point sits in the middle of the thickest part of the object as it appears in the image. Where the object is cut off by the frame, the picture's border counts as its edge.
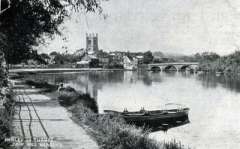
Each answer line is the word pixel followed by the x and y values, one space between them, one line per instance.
pixel 130 63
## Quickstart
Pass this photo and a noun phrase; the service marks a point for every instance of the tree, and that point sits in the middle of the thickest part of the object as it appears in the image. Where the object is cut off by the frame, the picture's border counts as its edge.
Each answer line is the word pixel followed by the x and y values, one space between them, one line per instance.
pixel 59 59
pixel 147 57
pixel 44 56
pixel 54 53
pixel 210 56
pixel 23 25
pixel 5 4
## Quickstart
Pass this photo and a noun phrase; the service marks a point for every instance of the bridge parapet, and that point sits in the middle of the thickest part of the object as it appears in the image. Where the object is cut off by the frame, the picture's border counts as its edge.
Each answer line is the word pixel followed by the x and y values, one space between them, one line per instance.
pixel 177 65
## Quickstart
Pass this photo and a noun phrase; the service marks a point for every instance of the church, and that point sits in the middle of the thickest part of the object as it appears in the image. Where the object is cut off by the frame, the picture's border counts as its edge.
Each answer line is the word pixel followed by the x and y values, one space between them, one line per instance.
pixel 89 58
pixel 92 43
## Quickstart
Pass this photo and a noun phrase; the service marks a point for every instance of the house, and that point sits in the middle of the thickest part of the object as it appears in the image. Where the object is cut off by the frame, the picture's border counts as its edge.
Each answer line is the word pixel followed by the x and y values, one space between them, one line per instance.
pixel 104 61
pixel 82 64
pixel 130 63
pixel 140 59
pixel 88 61
pixel 104 58
pixel 52 59
pixel 116 59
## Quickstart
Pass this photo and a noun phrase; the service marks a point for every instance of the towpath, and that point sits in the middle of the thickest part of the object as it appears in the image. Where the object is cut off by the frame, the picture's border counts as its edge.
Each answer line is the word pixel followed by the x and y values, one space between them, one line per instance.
pixel 40 122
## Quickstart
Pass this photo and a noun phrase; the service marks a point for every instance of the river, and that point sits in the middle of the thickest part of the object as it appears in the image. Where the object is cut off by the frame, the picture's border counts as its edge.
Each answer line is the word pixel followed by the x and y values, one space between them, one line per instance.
pixel 214 102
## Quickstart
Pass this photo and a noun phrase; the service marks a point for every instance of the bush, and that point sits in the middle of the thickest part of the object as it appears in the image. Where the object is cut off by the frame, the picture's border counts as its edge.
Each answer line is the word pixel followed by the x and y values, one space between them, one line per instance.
pixel 6 115
pixel 71 97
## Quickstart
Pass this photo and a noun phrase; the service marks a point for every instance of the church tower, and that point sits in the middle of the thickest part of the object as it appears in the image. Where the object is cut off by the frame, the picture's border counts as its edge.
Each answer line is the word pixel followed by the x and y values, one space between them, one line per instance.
pixel 92 43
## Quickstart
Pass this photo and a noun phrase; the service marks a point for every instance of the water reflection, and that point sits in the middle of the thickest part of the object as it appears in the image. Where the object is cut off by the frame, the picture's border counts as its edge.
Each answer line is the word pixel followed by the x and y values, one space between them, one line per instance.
pixel 212 81
pixel 92 82
pixel 167 127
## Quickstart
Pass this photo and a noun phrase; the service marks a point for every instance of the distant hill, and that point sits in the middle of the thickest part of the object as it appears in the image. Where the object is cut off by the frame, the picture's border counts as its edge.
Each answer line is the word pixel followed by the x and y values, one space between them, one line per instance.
pixel 174 55
pixel 160 54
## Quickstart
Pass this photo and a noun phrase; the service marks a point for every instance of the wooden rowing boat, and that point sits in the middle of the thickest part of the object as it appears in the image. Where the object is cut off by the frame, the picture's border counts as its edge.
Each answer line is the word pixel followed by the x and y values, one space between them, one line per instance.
pixel 154 118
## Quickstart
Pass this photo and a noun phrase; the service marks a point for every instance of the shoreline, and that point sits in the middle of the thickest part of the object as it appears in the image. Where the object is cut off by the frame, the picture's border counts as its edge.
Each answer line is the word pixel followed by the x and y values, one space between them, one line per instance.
pixel 56 70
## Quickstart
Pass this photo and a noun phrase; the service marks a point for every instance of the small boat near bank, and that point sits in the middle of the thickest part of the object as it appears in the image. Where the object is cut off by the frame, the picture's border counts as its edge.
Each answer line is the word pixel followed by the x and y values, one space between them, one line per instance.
pixel 155 118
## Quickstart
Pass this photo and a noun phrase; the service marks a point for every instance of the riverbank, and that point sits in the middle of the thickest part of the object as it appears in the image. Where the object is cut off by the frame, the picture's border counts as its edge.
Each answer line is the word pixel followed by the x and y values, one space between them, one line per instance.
pixel 110 132
pixel 57 70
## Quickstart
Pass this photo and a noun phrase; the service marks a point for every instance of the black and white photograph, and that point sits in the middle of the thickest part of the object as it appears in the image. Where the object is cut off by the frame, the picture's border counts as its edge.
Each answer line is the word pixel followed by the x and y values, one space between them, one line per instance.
pixel 119 74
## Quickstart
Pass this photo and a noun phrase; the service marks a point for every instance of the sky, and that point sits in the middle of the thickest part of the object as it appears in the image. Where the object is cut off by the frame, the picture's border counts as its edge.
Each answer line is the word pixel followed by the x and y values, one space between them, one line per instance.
pixel 170 26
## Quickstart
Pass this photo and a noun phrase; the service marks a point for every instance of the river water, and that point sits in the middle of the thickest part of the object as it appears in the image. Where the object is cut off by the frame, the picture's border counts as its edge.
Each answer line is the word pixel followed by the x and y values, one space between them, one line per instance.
pixel 214 101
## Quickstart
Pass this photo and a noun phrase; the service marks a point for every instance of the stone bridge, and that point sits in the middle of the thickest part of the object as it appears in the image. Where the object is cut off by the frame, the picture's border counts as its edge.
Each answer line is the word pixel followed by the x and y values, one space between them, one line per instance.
pixel 177 66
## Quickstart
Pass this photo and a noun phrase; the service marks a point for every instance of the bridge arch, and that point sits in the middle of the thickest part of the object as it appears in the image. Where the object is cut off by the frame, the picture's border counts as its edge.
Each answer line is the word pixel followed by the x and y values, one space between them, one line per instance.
pixel 185 67
pixel 170 68
pixel 155 68
pixel 191 67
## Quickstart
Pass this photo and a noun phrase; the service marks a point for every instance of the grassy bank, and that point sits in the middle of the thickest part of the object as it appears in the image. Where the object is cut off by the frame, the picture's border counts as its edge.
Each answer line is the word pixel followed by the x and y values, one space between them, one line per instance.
pixel 110 132
pixel 6 115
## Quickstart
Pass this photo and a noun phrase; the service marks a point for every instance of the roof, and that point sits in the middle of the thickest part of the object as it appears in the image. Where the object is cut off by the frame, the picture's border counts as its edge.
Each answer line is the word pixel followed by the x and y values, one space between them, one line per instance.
pixel 129 57
pixel 112 54
pixel 90 52
pixel 139 56
pixel 88 57
pixel 92 56
pixel 83 62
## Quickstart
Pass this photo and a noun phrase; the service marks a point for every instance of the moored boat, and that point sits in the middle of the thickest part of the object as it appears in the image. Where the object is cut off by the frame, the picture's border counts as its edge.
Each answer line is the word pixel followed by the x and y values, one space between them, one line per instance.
pixel 153 118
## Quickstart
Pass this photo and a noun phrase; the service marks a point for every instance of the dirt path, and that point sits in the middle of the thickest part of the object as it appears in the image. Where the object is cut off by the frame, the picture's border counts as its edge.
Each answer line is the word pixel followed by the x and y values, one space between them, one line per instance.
pixel 43 123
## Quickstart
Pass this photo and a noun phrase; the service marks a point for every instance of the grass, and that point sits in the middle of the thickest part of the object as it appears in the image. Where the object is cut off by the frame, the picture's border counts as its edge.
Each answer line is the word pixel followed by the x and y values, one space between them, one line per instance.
pixel 111 132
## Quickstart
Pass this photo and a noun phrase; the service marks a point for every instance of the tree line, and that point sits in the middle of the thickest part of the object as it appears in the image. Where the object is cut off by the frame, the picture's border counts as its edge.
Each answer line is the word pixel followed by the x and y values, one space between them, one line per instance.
pixel 210 61
pixel 226 64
